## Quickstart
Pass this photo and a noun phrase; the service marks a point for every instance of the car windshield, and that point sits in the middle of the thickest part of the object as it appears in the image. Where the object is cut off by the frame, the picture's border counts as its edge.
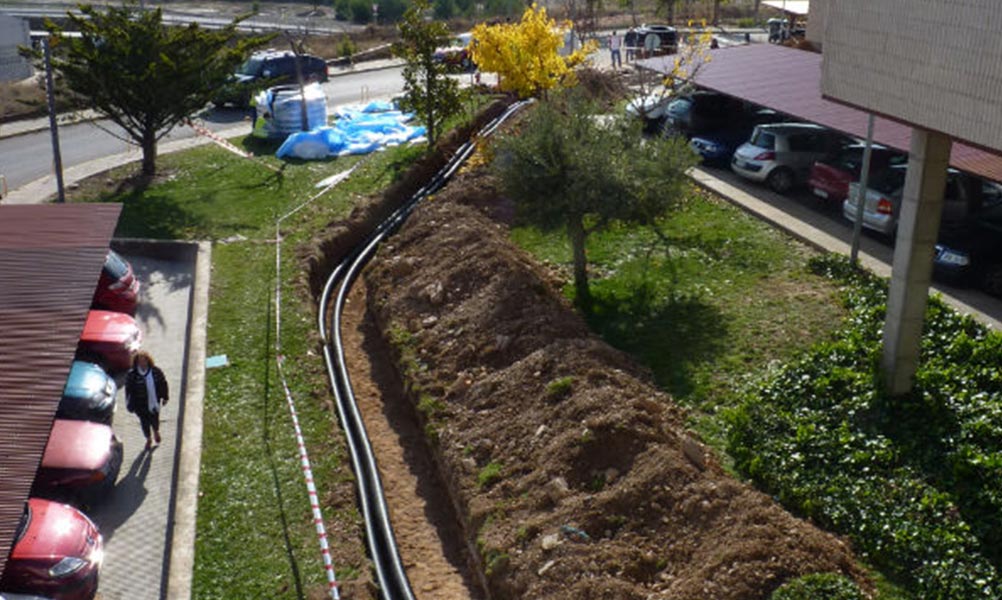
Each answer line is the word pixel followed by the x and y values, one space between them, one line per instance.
pixel 251 67
pixel 114 266
pixel 763 139
pixel 887 181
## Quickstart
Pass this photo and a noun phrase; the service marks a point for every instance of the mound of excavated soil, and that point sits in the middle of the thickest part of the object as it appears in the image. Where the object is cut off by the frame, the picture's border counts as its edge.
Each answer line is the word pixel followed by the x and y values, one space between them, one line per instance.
pixel 574 475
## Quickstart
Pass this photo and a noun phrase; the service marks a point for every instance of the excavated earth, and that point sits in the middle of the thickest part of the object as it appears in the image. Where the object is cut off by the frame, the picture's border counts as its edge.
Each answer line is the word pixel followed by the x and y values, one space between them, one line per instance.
pixel 567 473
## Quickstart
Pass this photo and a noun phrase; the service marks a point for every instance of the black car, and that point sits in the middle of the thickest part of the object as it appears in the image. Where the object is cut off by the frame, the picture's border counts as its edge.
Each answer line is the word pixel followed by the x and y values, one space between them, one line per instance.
pixel 703 112
pixel 266 69
pixel 969 249
pixel 652 40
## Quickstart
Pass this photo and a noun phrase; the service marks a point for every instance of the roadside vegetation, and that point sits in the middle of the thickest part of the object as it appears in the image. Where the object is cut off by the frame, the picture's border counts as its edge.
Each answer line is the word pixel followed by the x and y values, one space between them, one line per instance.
pixel 914 481
pixel 255 536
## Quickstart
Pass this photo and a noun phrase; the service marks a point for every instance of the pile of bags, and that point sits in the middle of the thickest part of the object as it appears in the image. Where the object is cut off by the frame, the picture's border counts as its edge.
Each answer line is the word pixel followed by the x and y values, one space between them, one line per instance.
pixel 357 130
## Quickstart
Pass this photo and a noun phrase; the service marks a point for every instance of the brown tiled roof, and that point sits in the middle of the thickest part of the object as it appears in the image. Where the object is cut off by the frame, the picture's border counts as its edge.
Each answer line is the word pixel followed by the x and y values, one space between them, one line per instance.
pixel 789 81
pixel 50 260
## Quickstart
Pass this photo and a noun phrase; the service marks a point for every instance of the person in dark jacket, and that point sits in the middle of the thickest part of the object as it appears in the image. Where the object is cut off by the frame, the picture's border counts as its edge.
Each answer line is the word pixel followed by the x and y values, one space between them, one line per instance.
pixel 145 392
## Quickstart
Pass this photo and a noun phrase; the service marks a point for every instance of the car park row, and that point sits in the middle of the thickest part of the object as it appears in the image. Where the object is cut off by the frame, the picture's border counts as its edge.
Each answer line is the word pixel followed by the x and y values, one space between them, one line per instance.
pixel 58 550
pixel 768 147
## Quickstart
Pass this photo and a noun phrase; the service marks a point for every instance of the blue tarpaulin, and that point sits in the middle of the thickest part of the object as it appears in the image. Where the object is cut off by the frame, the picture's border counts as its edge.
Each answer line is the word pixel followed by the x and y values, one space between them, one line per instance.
pixel 356 131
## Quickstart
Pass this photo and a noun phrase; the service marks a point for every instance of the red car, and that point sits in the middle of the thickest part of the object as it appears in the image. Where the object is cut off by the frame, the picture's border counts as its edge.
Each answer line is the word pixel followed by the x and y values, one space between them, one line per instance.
pixel 80 464
pixel 830 179
pixel 118 288
pixel 57 553
pixel 110 339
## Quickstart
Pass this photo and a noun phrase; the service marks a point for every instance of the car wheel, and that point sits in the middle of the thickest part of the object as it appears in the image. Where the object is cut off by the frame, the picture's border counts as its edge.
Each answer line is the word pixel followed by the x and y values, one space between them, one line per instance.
pixel 780 180
pixel 991 281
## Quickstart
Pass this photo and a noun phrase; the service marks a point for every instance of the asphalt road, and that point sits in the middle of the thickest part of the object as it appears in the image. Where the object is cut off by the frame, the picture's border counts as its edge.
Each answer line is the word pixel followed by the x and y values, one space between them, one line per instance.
pixel 28 157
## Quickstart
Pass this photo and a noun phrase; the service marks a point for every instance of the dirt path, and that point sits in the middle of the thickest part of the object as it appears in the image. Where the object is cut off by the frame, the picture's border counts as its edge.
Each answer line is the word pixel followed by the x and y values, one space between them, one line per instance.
pixel 430 542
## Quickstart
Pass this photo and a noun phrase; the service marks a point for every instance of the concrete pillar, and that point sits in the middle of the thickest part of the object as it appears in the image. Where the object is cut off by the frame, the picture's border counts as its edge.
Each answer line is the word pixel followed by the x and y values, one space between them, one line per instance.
pixel 911 272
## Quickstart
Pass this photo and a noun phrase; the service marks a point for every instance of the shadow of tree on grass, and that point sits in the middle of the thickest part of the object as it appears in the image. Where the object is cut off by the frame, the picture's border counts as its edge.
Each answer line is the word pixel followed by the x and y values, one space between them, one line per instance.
pixel 670 335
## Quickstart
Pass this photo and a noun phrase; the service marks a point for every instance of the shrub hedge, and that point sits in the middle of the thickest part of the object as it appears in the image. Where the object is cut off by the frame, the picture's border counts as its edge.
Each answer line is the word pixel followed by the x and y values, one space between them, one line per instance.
pixel 914 481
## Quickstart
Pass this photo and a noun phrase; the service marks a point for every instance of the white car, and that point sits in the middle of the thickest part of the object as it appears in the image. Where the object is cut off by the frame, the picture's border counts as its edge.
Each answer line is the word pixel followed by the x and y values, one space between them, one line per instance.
pixel 781 154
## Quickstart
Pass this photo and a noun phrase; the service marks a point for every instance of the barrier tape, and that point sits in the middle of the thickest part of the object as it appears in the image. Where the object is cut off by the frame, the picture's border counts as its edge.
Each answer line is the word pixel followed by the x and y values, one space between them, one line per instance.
pixel 204 131
pixel 304 457
pixel 304 461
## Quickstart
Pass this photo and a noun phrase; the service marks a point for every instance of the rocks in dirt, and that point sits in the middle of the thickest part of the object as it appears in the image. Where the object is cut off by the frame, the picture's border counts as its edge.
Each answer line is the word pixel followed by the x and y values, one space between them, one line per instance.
pixel 694 452
pixel 557 489
pixel 549 542
pixel 615 460
pixel 429 321
pixel 434 293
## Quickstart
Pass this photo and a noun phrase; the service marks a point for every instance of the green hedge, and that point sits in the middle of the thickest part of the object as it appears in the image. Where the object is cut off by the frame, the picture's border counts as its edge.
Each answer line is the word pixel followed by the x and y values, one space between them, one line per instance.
pixel 819 586
pixel 915 481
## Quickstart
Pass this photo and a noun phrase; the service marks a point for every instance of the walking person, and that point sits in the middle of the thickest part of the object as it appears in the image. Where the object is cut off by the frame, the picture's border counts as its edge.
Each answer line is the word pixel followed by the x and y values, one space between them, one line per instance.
pixel 145 392
pixel 615 43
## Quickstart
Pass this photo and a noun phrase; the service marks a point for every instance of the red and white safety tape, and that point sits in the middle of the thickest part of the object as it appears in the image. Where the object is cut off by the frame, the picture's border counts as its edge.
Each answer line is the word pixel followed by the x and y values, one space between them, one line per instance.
pixel 304 460
pixel 304 457
pixel 204 131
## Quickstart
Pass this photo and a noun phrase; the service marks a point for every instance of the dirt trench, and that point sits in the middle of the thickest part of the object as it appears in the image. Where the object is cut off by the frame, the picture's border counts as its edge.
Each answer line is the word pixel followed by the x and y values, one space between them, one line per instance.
pixel 570 474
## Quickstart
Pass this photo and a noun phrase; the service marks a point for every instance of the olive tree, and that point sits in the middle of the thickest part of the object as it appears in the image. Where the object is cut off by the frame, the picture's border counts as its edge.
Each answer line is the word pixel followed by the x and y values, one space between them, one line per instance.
pixel 568 168
pixel 145 76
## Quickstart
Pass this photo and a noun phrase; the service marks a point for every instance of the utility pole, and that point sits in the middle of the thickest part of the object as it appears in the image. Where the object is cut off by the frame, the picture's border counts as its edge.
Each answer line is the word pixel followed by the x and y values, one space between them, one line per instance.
pixel 50 94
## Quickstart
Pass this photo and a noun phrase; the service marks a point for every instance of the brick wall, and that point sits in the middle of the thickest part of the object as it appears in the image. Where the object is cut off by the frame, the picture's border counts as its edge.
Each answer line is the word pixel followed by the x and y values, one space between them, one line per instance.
pixel 933 63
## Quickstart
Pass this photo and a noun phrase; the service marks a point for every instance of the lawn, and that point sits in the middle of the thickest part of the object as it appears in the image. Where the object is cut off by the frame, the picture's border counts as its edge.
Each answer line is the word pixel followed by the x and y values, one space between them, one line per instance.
pixel 255 534
pixel 722 299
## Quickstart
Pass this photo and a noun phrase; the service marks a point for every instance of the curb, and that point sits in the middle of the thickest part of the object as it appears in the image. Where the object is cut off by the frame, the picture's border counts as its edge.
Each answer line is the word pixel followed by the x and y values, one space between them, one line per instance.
pixel 184 506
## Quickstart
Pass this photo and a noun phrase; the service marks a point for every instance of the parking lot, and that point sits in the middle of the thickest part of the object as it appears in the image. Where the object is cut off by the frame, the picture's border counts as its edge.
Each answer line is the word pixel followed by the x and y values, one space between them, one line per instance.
pixel 136 518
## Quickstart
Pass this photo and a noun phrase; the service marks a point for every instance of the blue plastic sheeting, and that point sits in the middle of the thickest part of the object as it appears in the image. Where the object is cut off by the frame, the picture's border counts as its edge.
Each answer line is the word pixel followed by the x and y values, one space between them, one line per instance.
pixel 355 132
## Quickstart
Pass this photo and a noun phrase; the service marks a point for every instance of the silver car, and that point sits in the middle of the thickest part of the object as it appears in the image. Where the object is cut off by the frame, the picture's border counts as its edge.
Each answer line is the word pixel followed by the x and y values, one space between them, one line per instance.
pixel 886 187
pixel 781 154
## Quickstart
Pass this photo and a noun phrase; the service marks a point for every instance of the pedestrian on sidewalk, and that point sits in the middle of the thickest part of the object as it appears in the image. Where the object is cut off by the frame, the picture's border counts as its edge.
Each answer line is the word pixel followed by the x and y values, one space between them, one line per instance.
pixel 145 392
pixel 615 43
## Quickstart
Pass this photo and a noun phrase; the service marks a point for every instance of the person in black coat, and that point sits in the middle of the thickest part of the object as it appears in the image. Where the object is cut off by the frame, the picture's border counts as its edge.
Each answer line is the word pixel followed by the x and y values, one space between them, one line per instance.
pixel 145 392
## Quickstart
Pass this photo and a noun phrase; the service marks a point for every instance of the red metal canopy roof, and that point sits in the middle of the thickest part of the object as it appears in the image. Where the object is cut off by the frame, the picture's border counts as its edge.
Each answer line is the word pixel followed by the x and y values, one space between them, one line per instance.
pixel 789 81
pixel 50 260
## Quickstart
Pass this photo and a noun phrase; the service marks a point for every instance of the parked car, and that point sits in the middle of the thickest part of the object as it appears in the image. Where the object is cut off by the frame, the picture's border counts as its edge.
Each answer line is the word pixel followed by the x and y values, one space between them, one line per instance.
pixel 268 68
pixel 781 154
pixel 118 288
pixel 110 339
pixel 718 146
pixel 882 206
pixel 652 40
pixel 80 464
pixel 89 394
pixel 969 252
pixel 457 53
pixel 829 179
pixel 57 553
pixel 651 107
pixel 701 112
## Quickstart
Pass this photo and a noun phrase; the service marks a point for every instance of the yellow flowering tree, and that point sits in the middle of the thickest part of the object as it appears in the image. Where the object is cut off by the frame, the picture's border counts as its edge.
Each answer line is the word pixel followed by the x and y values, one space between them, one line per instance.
pixel 526 55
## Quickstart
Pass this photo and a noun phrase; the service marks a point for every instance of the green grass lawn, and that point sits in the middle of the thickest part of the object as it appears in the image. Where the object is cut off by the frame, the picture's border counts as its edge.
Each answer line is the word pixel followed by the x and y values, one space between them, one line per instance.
pixel 714 306
pixel 255 531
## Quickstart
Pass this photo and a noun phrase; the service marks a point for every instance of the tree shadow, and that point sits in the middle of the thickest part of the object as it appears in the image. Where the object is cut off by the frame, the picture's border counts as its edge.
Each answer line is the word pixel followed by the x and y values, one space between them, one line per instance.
pixel 671 335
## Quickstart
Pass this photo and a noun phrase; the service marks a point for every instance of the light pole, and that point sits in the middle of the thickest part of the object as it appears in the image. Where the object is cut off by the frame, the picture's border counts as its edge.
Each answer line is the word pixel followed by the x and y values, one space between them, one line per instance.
pixel 50 95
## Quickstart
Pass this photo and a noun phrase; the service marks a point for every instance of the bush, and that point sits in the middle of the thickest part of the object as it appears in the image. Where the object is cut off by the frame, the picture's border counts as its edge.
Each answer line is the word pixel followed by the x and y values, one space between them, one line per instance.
pixel 818 586
pixel 915 481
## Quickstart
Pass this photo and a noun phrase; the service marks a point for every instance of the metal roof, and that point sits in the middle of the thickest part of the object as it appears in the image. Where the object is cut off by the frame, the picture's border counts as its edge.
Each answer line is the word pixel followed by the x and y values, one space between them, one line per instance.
pixel 789 81
pixel 50 260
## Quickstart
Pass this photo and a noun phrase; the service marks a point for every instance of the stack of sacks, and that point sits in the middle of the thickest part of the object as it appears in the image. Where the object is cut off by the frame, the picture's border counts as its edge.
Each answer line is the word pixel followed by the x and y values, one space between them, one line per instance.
pixel 357 131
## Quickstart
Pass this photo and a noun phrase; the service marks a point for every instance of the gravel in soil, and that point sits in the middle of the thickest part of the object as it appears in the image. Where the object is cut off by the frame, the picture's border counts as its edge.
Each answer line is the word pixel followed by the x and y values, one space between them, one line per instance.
pixel 574 477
